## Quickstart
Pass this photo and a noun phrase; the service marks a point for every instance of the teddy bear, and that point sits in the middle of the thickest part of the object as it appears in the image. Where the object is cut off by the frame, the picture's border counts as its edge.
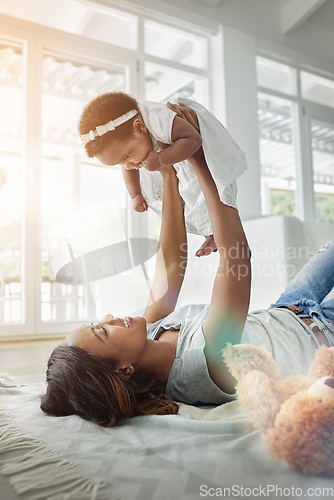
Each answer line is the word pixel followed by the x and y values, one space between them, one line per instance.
pixel 296 413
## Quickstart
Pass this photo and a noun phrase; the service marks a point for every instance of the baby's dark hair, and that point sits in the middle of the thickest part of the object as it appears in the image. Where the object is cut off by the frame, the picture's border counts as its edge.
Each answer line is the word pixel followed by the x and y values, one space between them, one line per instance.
pixel 100 111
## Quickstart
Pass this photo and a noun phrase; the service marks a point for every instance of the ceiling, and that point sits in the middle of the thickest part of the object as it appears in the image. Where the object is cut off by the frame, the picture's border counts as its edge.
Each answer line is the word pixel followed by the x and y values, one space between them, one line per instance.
pixel 77 16
pixel 302 26
pixel 209 3
pixel 291 14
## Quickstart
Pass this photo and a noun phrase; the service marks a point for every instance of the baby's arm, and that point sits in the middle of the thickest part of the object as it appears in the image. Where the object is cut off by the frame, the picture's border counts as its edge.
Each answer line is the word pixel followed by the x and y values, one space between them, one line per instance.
pixel 132 182
pixel 186 142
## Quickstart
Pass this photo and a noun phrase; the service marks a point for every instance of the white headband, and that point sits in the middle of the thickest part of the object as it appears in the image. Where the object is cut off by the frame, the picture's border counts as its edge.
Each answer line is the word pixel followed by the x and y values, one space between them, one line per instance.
pixel 103 129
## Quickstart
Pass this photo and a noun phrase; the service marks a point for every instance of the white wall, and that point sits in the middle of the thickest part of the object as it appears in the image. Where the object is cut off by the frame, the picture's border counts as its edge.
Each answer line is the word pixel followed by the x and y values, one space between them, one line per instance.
pixel 239 51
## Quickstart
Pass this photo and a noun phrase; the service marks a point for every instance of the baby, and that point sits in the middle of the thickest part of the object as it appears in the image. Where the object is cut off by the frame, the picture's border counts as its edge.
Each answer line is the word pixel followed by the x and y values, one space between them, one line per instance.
pixel 117 129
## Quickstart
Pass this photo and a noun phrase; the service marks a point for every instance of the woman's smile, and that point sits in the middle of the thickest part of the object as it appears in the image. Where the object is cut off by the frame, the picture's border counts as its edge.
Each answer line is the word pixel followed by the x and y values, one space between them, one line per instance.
pixel 126 322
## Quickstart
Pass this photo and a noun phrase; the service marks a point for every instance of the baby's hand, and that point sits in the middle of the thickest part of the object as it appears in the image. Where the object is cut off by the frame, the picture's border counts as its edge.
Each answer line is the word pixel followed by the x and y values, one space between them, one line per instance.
pixel 151 162
pixel 139 203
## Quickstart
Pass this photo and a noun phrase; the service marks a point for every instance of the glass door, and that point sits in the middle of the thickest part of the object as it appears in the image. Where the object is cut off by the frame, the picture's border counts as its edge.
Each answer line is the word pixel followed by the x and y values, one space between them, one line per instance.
pixel 83 203
pixel 11 184
pixel 55 203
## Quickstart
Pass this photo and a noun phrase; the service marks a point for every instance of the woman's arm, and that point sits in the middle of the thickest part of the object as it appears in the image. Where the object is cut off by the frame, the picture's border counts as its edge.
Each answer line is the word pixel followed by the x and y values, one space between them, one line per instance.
pixel 171 258
pixel 186 142
pixel 231 290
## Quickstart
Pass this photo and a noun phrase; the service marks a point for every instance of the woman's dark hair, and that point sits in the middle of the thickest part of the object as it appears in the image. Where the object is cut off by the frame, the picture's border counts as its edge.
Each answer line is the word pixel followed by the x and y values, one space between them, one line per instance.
pixel 81 383
pixel 100 111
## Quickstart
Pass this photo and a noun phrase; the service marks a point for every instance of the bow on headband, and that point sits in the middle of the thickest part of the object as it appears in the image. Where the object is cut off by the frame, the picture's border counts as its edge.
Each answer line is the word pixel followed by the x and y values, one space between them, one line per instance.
pixel 103 129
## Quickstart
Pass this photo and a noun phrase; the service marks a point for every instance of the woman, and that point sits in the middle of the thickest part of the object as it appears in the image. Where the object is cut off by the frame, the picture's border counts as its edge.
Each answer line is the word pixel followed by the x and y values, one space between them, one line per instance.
pixel 123 367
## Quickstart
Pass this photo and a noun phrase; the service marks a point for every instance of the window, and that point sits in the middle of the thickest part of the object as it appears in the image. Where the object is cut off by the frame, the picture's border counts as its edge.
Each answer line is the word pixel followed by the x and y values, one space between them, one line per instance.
pixel 274 75
pixel 278 174
pixel 296 129
pixel 175 45
pixel 56 205
pixel 11 183
pixel 79 214
pixel 317 89
pixel 97 22
pixel 165 84
pixel 322 135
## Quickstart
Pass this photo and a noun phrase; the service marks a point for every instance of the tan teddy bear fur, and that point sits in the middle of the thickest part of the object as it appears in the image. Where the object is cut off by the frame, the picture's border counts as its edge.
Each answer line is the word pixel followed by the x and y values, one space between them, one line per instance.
pixel 298 426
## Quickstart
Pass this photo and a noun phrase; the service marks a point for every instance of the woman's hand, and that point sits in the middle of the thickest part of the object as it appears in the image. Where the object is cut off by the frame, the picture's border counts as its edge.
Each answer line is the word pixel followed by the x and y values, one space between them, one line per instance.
pixel 186 113
pixel 166 171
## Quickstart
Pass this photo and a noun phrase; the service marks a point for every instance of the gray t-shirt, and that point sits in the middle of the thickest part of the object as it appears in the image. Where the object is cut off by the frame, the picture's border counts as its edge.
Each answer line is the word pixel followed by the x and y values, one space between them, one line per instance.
pixel 280 331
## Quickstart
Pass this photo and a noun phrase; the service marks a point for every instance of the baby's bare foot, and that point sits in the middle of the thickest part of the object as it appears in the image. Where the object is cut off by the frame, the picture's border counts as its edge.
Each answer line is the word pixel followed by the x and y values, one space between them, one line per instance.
pixel 207 247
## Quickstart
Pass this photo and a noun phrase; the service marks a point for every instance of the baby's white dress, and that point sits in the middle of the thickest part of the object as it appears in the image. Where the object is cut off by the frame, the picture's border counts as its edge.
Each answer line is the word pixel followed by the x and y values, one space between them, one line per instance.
pixel 224 158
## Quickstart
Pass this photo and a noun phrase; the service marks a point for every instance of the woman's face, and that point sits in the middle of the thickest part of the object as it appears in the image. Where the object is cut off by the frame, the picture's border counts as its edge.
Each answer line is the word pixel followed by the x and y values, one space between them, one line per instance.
pixel 122 339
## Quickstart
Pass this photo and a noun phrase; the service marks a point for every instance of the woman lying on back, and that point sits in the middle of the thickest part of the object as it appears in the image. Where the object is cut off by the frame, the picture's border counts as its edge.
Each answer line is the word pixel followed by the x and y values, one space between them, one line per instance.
pixel 124 367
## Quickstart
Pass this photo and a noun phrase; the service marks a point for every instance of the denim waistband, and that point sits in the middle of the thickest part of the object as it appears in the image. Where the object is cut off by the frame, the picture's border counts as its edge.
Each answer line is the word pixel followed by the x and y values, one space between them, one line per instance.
pixel 326 326
pixel 318 320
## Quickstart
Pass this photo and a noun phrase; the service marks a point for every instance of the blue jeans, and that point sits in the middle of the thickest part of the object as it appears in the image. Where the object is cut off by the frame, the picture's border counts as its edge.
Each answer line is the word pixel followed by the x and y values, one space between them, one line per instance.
pixel 312 290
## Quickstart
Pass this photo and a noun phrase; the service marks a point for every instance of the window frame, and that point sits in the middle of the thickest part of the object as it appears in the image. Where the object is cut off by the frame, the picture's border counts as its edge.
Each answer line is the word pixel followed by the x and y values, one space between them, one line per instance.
pixel 303 111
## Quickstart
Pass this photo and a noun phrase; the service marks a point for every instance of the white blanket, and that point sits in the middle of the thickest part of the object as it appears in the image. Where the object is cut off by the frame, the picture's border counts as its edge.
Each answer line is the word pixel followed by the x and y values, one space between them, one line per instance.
pixel 199 453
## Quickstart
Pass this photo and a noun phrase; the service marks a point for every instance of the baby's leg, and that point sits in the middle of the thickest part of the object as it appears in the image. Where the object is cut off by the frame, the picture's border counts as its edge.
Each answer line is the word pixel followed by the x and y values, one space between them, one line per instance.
pixel 207 247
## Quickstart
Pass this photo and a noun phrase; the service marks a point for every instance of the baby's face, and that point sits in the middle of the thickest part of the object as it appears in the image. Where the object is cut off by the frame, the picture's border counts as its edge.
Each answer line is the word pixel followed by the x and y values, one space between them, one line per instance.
pixel 130 153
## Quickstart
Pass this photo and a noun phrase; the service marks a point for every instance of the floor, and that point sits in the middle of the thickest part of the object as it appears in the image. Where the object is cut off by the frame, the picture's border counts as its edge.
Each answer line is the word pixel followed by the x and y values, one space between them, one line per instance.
pixel 26 362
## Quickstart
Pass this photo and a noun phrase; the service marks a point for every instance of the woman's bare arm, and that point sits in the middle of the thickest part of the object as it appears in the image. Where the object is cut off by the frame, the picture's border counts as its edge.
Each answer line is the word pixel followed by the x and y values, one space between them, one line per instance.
pixel 171 258
pixel 231 290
